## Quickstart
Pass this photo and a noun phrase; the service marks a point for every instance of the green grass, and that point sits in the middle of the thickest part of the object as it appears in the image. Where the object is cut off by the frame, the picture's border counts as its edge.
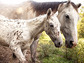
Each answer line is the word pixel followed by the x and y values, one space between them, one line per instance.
pixel 48 53
pixel 56 56
pixel 55 59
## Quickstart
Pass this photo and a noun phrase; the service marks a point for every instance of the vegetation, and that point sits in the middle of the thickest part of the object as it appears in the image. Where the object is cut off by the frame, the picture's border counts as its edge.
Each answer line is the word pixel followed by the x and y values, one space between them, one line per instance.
pixel 50 54
pixel 81 24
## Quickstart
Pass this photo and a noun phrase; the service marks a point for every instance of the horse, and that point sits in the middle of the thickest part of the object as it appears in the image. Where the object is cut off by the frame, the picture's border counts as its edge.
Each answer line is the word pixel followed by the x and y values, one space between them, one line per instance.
pixel 19 34
pixel 31 9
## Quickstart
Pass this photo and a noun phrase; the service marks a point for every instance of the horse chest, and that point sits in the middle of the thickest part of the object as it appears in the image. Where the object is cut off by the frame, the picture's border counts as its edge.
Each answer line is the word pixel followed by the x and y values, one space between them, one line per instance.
pixel 26 44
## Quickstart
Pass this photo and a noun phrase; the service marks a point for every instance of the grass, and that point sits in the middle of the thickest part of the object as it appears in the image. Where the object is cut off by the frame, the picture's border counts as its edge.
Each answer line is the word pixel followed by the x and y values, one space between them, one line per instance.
pixel 53 55
pixel 48 53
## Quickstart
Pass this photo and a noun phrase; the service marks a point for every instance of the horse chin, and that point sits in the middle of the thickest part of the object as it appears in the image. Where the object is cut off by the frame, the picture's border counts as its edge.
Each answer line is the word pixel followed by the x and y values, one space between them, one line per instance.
pixel 57 46
pixel 67 46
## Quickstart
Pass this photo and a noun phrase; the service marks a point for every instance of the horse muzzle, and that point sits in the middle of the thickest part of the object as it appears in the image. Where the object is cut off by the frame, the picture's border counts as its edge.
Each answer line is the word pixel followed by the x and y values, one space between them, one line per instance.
pixel 71 44
pixel 58 44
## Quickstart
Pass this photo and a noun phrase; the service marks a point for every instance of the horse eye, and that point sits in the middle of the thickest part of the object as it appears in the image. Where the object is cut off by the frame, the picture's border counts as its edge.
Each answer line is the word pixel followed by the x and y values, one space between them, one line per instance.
pixel 51 25
pixel 67 16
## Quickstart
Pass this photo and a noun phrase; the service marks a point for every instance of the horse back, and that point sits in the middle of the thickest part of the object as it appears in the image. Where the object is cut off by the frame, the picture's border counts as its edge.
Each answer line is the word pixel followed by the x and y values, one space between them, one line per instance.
pixel 18 11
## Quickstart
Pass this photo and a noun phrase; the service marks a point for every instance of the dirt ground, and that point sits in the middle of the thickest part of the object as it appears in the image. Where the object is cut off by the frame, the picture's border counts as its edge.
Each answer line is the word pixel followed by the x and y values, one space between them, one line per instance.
pixel 6 56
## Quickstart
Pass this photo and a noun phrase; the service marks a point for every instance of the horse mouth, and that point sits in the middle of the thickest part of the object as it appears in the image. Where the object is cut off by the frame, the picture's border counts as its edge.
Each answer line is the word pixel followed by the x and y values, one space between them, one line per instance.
pixel 58 46
pixel 68 46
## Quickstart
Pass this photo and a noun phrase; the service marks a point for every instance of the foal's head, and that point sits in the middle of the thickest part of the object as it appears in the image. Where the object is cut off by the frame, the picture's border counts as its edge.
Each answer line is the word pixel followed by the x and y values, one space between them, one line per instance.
pixel 52 28
pixel 68 17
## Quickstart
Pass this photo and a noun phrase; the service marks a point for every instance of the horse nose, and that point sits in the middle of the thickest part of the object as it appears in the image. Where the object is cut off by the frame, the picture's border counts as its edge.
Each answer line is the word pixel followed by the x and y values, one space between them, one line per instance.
pixel 59 44
pixel 71 44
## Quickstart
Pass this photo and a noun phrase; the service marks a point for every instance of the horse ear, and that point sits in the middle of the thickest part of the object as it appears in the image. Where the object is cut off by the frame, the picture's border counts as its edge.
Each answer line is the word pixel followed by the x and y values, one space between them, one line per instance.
pixel 58 9
pixel 68 3
pixel 56 13
pixel 49 12
pixel 78 5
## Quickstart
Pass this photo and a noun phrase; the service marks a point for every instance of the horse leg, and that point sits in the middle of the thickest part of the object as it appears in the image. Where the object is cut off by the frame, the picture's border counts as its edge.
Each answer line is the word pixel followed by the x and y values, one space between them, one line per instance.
pixel 33 48
pixel 17 51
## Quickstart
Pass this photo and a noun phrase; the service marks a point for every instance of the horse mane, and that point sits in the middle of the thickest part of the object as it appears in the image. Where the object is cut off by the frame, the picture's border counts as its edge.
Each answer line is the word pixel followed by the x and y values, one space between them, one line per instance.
pixel 42 7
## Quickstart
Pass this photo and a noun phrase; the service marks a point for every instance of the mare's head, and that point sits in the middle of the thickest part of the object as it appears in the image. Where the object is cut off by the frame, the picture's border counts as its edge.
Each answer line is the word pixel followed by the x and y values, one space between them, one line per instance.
pixel 68 17
pixel 52 28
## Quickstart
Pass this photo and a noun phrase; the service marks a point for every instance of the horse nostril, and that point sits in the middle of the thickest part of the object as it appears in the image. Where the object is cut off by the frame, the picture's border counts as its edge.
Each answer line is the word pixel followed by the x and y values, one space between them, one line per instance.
pixel 59 43
pixel 71 42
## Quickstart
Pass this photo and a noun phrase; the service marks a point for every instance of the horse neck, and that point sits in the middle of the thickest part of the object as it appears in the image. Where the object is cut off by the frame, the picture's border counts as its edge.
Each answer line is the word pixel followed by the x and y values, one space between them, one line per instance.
pixel 42 7
pixel 36 25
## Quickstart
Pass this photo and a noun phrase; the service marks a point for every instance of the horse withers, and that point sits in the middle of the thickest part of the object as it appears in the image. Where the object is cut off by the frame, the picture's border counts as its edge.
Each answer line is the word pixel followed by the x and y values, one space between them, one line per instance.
pixel 19 34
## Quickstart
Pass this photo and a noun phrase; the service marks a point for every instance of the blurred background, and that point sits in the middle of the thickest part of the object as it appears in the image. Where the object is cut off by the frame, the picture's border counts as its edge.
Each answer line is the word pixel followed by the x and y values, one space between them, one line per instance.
pixel 48 53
